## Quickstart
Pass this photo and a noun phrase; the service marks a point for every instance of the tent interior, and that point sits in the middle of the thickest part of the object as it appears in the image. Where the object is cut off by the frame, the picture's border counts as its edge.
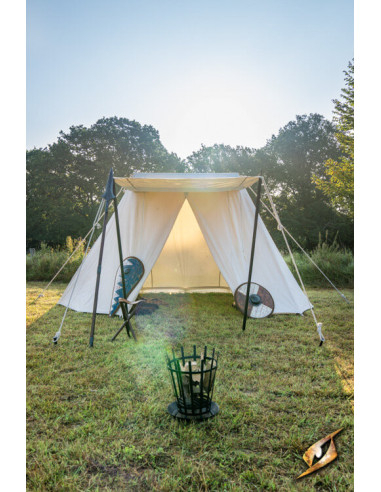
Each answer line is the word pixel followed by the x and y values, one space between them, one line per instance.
pixel 185 263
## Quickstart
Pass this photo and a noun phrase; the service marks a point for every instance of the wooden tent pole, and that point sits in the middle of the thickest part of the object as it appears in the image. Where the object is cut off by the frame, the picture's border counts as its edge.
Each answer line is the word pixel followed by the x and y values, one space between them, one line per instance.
pixel 119 243
pixel 123 307
pixel 108 196
pixel 257 205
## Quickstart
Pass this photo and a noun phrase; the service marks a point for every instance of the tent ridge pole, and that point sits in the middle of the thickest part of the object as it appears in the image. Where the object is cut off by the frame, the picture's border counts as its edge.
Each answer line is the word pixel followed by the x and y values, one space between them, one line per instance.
pixel 257 205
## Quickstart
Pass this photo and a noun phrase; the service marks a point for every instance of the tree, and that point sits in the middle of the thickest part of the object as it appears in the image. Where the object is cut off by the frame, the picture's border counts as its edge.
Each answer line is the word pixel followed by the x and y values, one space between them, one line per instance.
pixel 221 159
pixel 289 161
pixel 66 180
pixel 338 181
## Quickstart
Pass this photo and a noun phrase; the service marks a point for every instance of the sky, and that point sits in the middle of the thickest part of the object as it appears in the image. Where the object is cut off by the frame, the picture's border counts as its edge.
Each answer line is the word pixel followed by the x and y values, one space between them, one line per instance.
pixel 200 72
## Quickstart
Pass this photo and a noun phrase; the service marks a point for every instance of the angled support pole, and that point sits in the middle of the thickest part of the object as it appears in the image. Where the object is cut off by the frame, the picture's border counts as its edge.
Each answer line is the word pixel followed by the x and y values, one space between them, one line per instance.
pixel 108 196
pixel 257 205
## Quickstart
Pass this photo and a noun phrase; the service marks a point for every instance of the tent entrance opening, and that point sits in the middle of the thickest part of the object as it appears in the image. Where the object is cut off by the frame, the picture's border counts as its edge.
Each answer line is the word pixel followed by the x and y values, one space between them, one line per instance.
pixel 185 263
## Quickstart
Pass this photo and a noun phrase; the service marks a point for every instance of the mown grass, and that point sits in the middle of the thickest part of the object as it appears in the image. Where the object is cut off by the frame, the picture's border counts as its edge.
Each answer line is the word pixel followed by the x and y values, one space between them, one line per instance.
pixel 96 418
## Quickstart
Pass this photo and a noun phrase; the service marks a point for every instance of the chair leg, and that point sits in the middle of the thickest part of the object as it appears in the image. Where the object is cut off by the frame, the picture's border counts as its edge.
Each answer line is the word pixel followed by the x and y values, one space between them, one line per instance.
pixel 126 317
pixel 126 324
pixel 117 333
pixel 132 331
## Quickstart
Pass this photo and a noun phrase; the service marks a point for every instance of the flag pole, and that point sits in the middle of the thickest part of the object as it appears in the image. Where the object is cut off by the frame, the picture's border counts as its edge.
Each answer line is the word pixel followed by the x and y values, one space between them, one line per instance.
pixel 108 195
pixel 257 205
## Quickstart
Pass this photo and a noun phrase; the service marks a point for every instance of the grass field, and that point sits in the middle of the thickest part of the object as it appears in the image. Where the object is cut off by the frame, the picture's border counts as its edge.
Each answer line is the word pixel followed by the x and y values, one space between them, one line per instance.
pixel 96 418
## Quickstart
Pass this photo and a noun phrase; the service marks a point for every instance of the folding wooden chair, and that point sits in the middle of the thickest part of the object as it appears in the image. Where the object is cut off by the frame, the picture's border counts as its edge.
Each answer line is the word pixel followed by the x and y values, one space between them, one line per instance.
pixel 127 315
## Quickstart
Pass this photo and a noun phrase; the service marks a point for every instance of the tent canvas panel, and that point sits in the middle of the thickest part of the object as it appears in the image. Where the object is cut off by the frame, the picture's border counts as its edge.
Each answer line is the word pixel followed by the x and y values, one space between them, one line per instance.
pixel 145 222
pixel 226 220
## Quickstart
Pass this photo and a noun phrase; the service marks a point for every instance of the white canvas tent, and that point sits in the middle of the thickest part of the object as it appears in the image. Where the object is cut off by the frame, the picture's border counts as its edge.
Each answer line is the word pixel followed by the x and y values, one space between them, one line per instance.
pixel 192 232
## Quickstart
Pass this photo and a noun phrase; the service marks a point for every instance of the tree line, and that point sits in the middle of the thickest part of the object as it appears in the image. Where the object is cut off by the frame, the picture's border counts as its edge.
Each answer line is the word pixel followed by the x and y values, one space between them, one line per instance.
pixel 308 166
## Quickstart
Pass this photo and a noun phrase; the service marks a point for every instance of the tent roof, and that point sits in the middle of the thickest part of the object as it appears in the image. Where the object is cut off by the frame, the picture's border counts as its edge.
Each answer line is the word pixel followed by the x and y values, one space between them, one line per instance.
pixel 186 182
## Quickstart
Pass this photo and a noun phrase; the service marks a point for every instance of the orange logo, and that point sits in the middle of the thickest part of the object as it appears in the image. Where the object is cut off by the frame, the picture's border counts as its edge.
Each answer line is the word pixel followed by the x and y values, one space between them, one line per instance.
pixel 316 450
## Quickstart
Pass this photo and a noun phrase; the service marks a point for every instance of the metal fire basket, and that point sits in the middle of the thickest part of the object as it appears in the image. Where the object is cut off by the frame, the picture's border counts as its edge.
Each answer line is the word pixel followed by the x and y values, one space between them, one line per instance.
pixel 193 379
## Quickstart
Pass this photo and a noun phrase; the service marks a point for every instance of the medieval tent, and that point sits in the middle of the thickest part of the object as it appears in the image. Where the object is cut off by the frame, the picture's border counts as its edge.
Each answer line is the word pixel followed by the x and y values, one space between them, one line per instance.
pixel 193 233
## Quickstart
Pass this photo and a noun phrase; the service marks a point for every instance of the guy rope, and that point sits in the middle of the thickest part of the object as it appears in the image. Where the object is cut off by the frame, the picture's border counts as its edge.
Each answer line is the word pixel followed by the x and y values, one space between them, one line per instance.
pixel 273 212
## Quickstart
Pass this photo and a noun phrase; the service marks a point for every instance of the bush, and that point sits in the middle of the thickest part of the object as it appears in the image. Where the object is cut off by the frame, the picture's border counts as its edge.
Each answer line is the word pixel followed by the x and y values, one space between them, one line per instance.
pixel 45 263
pixel 336 263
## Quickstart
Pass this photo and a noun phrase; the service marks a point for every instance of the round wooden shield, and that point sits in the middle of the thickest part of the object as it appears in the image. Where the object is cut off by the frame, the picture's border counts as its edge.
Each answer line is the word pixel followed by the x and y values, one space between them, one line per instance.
pixel 261 303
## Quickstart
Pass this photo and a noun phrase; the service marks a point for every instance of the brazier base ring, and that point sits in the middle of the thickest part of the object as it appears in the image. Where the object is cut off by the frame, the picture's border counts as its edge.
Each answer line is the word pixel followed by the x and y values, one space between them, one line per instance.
pixel 173 410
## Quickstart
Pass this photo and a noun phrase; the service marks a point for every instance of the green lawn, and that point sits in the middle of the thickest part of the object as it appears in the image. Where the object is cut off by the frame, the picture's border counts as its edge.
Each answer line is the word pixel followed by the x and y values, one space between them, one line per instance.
pixel 96 418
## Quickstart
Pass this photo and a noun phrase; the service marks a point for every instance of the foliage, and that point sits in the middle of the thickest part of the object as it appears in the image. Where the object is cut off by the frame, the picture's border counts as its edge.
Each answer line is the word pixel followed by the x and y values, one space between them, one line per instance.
pixel 96 418
pixel 288 161
pixel 336 263
pixel 46 262
pixel 297 153
pixel 222 159
pixel 65 181
pixel 338 182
